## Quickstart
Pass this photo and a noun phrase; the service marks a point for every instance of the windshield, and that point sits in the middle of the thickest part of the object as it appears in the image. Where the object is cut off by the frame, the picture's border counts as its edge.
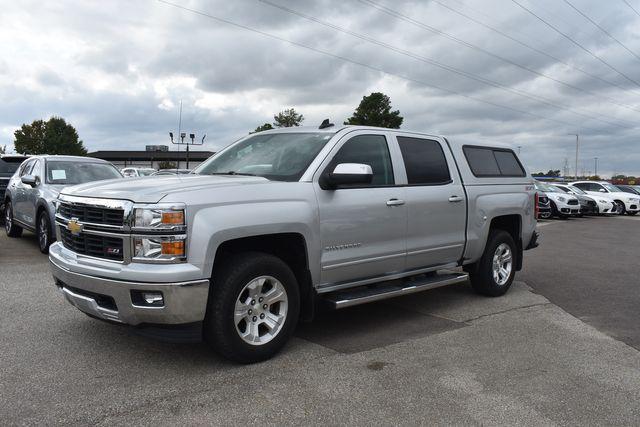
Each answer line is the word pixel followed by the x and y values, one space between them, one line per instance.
pixel 275 156
pixel 611 188
pixel 563 189
pixel 547 188
pixel 145 172
pixel 71 173
pixel 9 167
pixel 577 190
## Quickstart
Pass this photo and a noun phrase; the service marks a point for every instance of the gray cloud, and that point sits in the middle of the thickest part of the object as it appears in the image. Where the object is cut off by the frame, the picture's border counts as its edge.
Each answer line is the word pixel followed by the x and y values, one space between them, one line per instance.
pixel 118 70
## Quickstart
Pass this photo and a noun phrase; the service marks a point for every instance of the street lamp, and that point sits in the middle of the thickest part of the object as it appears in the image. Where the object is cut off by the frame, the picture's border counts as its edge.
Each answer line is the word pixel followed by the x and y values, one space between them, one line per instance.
pixel 577 144
pixel 595 159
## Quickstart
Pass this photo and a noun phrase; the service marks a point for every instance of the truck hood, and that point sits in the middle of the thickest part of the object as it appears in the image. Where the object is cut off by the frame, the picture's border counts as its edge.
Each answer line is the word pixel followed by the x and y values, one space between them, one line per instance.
pixel 155 188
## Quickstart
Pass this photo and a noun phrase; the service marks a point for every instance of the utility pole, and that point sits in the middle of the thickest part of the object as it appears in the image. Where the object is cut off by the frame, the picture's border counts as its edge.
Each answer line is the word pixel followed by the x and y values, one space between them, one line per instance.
pixel 595 159
pixel 577 144
pixel 179 130
pixel 519 147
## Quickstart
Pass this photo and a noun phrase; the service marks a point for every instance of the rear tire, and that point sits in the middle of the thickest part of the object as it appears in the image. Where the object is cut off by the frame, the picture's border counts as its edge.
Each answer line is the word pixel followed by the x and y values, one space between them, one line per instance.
pixel 494 272
pixel 11 228
pixel 253 307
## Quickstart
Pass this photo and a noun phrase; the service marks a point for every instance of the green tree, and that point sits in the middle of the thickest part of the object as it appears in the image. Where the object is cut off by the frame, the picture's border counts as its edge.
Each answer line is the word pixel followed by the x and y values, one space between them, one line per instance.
pixel 266 126
pixel 287 118
pixel 375 110
pixel 166 165
pixel 54 136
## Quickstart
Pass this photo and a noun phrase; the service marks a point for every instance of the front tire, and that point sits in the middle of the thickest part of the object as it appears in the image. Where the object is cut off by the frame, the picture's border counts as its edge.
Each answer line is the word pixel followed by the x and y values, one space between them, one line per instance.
pixel 494 272
pixel 253 307
pixel 43 231
pixel 622 209
pixel 11 228
pixel 632 213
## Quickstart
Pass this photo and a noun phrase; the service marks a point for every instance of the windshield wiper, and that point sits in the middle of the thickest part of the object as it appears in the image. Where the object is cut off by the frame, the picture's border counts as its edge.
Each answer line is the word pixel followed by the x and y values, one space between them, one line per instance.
pixel 233 173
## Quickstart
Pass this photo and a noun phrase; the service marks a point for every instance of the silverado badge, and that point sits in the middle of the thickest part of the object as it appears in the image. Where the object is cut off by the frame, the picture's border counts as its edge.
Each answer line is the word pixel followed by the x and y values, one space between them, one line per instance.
pixel 74 227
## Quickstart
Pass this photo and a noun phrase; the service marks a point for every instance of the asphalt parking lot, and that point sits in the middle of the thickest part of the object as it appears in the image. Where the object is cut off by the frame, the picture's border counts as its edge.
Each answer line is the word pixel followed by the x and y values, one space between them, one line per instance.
pixel 557 349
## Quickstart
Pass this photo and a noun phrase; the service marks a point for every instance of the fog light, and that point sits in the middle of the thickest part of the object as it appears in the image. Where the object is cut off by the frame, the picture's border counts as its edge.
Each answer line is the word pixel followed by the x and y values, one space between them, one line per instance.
pixel 147 298
pixel 153 298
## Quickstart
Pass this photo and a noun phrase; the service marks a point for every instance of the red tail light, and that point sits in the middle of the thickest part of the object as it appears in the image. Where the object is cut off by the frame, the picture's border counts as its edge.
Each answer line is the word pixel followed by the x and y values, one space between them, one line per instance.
pixel 537 207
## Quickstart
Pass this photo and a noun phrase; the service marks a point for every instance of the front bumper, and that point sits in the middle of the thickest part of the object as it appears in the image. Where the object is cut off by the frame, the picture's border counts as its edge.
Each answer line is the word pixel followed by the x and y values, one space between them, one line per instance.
pixel 113 300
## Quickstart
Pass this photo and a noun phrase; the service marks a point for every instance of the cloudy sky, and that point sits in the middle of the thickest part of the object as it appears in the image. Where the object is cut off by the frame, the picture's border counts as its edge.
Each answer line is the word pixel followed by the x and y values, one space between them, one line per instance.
pixel 490 69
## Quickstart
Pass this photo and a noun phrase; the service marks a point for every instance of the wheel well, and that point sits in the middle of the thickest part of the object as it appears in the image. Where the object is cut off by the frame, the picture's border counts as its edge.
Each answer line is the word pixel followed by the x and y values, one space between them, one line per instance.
pixel 290 248
pixel 512 224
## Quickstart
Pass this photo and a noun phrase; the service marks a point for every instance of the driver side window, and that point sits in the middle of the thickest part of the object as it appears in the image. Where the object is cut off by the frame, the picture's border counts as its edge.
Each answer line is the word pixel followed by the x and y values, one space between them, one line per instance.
pixel 370 150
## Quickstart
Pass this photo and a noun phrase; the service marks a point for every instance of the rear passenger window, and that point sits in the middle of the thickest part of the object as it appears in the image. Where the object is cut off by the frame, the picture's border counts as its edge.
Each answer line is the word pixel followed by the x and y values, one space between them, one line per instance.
pixel 424 161
pixel 487 162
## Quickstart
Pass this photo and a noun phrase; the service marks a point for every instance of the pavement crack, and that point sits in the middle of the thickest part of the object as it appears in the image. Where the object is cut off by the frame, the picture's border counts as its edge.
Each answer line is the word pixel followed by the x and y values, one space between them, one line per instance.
pixel 507 311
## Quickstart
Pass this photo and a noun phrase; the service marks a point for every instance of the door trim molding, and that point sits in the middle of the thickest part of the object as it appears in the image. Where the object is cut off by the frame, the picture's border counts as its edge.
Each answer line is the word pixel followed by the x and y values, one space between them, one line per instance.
pixel 362 261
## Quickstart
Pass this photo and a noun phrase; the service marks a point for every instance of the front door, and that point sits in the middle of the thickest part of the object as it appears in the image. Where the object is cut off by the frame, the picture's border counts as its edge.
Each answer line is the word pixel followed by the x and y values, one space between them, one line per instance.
pixel 362 227
pixel 436 203
pixel 19 201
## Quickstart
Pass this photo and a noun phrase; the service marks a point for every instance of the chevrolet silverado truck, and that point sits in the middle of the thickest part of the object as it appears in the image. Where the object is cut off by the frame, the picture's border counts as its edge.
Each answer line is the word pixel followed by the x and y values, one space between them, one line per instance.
pixel 283 222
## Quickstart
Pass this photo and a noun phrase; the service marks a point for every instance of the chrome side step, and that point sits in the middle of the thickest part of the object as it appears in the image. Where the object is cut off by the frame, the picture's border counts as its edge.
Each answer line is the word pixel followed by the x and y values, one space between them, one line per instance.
pixel 396 288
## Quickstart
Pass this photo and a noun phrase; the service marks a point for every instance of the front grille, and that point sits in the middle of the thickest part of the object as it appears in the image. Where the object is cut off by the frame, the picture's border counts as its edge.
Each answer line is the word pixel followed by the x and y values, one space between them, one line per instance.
pixel 92 214
pixel 93 245
pixel 572 202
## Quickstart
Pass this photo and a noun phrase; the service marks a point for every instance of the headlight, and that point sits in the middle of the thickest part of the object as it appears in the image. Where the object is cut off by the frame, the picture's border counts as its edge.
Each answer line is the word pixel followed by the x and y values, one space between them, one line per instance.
pixel 562 199
pixel 633 200
pixel 169 217
pixel 159 248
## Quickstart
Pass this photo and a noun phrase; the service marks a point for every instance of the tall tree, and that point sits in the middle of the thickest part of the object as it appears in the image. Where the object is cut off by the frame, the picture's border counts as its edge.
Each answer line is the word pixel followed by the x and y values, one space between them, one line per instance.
pixel 375 110
pixel 287 118
pixel 54 136
pixel 266 126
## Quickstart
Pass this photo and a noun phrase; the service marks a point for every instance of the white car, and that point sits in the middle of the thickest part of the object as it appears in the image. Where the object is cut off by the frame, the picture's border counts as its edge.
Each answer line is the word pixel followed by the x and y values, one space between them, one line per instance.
pixel 136 172
pixel 627 203
pixel 605 204
pixel 563 204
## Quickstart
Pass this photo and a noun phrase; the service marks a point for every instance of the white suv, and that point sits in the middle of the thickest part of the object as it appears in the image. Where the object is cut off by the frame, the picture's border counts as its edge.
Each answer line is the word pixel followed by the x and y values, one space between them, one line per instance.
pixel 626 202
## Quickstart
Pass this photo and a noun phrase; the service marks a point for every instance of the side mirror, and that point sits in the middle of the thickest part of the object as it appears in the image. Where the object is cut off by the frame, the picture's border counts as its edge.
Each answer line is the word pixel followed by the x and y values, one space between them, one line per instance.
pixel 602 190
pixel 29 180
pixel 347 174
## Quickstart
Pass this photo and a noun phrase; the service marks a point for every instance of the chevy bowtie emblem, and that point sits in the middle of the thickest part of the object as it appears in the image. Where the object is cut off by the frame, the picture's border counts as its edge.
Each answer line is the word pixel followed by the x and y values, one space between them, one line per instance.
pixel 74 227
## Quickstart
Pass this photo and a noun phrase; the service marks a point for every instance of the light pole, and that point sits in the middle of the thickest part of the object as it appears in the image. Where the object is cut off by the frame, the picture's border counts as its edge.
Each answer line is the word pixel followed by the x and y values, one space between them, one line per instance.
pixel 577 144
pixel 595 159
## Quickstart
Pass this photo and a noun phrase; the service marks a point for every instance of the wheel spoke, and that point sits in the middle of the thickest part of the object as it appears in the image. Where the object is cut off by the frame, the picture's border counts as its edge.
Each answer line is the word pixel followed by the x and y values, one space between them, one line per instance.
pixel 272 321
pixel 276 294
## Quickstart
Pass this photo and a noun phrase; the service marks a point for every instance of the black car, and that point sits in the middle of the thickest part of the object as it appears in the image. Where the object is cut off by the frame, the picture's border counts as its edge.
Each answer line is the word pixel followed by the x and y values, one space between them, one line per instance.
pixel 9 164
pixel 544 206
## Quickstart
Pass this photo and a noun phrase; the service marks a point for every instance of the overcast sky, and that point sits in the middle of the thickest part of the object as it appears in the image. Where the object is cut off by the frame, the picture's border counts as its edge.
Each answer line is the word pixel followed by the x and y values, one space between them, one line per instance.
pixel 117 70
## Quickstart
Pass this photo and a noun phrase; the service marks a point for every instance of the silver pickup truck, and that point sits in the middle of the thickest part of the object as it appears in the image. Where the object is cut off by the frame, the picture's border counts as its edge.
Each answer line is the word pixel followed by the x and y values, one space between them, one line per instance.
pixel 285 221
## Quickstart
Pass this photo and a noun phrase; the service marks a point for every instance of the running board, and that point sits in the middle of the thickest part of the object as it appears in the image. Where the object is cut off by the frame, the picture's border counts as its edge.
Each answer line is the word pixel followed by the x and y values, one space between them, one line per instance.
pixel 396 288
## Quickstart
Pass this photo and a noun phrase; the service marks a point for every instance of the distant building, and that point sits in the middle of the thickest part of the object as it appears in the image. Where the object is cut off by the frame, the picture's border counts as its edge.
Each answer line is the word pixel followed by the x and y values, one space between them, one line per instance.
pixel 152 158
pixel 157 148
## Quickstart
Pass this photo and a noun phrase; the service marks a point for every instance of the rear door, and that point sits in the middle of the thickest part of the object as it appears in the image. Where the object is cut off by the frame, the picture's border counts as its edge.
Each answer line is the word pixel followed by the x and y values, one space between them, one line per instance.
pixel 436 202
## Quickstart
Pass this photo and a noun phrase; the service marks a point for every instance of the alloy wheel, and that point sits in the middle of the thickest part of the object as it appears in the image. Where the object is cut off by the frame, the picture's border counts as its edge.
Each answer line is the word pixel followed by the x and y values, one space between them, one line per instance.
pixel 43 232
pixel 261 310
pixel 502 264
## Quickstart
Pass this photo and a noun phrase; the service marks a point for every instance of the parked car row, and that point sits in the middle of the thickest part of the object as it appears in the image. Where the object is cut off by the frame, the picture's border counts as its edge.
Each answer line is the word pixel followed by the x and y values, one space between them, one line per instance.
pixel 29 185
pixel 579 198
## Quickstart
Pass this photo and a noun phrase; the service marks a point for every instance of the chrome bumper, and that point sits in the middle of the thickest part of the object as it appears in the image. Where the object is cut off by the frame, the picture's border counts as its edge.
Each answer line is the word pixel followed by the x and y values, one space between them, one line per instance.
pixel 184 302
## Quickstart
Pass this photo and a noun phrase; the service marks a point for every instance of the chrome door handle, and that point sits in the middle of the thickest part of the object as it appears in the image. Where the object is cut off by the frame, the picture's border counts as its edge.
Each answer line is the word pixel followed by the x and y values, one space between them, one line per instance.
pixel 455 199
pixel 395 202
